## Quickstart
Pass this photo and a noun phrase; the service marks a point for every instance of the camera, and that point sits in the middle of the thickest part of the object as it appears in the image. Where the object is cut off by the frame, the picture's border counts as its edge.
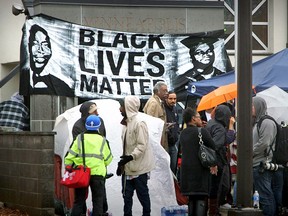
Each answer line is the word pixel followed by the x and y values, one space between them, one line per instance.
pixel 268 166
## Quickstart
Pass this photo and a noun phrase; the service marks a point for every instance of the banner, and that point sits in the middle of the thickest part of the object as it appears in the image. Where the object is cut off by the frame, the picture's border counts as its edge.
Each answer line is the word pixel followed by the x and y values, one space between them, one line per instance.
pixel 62 58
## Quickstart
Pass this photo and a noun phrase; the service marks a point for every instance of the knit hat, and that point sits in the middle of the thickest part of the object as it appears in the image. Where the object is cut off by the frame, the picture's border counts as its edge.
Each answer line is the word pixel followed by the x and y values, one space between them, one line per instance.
pixel 92 123
pixel 87 108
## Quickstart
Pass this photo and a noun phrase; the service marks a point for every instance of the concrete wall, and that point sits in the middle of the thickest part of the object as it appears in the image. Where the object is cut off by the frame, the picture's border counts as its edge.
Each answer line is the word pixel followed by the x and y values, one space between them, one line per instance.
pixel 10 35
pixel 27 171
pixel 139 19
pixel 44 110
pixel 279 24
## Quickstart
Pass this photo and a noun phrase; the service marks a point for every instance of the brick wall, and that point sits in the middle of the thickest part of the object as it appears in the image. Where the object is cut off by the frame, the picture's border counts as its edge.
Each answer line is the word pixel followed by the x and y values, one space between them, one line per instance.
pixel 27 171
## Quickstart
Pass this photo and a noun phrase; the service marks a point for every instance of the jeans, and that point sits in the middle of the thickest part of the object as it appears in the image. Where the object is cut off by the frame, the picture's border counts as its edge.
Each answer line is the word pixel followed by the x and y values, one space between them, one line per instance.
pixel 235 193
pixel 173 152
pixel 263 184
pixel 277 187
pixel 140 185
pixel 97 185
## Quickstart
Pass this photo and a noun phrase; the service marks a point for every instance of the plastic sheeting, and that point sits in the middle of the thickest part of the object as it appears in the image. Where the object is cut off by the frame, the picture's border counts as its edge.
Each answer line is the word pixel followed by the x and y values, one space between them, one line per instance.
pixel 161 185
pixel 277 103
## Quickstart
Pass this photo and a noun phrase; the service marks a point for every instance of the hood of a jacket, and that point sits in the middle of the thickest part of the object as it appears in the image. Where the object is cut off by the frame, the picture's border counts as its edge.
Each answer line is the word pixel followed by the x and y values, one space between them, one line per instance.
pixel 132 105
pixel 260 107
pixel 223 115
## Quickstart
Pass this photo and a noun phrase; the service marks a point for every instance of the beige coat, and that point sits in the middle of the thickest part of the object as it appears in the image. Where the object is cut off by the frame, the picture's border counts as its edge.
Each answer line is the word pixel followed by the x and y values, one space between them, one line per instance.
pixel 155 107
pixel 137 140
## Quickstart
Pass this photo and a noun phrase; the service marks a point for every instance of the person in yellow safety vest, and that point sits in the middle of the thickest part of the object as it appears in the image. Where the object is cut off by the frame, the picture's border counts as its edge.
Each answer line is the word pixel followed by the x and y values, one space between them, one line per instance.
pixel 97 157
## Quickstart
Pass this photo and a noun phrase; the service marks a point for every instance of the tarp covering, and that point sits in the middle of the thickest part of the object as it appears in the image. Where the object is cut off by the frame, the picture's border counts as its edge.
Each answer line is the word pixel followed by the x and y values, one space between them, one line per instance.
pixel 63 58
pixel 161 185
pixel 272 70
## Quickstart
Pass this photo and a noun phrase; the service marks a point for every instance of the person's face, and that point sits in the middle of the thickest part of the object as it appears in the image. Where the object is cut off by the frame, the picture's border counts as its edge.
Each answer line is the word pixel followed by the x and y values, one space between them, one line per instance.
pixel 163 92
pixel 204 54
pixel 95 112
pixel 171 99
pixel 122 111
pixel 197 120
pixel 40 50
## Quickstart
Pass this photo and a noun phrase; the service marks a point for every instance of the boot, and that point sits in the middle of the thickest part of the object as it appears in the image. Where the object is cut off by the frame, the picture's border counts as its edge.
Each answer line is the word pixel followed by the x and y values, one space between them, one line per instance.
pixel 200 208
pixel 213 207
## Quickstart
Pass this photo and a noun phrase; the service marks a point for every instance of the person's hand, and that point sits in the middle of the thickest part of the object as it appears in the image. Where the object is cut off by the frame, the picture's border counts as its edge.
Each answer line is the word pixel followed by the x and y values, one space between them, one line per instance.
pixel 170 125
pixel 108 175
pixel 231 123
pixel 120 170
pixel 214 170
pixel 204 123
pixel 69 168
pixel 125 159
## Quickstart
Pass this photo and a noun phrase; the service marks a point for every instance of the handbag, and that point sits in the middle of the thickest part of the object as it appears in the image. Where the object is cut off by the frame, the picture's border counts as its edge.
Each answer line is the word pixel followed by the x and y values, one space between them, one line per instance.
pixel 79 176
pixel 207 156
pixel 180 198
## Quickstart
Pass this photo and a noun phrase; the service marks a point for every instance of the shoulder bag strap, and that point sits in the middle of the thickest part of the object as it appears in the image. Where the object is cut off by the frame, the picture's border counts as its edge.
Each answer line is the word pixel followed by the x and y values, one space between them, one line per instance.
pixel 259 123
pixel 83 150
pixel 200 137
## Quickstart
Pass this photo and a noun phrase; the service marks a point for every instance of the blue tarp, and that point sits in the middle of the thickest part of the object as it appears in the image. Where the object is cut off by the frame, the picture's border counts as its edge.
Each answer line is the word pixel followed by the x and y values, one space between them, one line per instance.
pixel 267 72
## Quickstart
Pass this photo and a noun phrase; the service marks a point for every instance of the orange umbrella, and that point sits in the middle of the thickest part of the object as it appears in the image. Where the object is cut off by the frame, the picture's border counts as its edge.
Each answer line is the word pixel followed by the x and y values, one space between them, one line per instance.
pixel 218 96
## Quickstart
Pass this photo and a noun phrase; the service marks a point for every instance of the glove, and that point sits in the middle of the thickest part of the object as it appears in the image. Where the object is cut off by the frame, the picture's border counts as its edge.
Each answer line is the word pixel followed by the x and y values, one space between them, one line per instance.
pixel 108 175
pixel 120 170
pixel 125 159
pixel 69 168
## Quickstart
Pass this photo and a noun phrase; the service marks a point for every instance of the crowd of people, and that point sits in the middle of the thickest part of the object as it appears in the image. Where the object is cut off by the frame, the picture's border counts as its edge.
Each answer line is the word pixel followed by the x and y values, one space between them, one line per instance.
pixel 207 194
pixel 136 162
pixel 206 188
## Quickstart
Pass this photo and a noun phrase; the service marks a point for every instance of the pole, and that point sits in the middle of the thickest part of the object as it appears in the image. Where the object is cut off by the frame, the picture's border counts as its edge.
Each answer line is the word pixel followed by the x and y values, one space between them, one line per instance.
pixel 244 105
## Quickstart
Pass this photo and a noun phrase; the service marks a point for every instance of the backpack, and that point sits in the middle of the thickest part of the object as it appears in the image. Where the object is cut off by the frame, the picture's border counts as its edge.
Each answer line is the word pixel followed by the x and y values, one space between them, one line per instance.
pixel 280 154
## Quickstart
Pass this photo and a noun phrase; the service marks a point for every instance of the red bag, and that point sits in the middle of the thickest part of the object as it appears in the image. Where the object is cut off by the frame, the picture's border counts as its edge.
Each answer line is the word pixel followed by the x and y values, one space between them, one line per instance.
pixel 78 178
pixel 181 199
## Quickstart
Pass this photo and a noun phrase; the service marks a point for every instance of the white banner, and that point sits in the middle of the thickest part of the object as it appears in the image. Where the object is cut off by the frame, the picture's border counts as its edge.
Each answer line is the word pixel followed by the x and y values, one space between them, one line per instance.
pixel 63 58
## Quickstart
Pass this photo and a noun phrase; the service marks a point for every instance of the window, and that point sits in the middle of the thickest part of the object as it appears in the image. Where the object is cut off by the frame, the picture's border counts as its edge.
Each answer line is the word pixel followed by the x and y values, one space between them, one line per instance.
pixel 260 26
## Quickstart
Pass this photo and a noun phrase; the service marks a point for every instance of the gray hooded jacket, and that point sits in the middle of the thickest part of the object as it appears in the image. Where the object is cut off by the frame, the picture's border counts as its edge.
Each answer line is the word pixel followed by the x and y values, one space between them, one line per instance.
pixel 266 136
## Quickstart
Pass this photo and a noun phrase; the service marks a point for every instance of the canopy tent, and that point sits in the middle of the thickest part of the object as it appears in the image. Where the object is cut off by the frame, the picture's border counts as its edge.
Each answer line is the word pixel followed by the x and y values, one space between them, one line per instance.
pixel 267 72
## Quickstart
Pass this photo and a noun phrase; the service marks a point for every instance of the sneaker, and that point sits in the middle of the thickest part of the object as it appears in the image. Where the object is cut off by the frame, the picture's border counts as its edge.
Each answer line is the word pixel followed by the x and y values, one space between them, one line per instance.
pixel 226 206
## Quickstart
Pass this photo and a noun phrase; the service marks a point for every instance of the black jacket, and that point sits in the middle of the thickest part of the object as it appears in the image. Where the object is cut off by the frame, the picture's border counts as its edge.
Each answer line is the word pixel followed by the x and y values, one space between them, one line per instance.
pixel 79 127
pixel 172 116
pixel 217 128
pixel 194 179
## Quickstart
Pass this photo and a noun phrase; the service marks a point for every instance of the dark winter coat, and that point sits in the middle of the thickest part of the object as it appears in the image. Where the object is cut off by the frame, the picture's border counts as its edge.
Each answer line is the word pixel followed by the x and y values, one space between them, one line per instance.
pixel 194 179
pixel 217 128
pixel 79 125
pixel 172 116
